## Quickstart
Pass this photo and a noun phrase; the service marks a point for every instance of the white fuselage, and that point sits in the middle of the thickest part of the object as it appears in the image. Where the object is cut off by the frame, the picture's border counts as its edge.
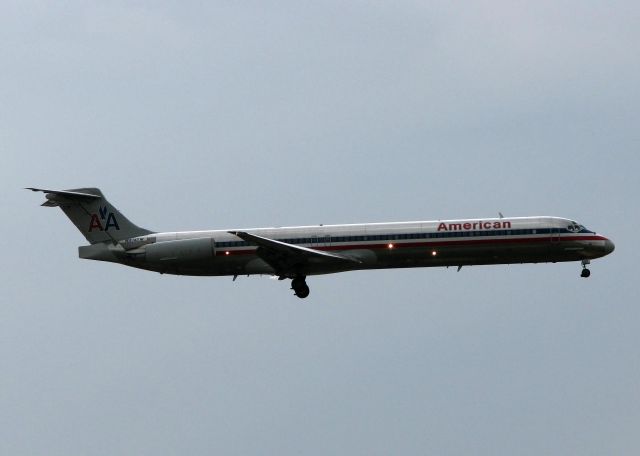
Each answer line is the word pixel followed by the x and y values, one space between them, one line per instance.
pixel 370 246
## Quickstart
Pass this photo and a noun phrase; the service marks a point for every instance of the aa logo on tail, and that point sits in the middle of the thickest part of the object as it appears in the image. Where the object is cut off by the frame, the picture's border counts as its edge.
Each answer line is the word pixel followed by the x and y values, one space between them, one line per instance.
pixel 103 221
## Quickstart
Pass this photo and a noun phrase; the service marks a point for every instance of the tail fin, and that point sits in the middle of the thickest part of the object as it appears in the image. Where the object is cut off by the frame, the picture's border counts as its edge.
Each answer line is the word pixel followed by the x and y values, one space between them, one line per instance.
pixel 92 214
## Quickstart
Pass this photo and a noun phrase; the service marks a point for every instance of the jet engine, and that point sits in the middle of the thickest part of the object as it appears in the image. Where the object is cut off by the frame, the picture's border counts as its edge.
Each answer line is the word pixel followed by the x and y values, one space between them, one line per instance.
pixel 183 250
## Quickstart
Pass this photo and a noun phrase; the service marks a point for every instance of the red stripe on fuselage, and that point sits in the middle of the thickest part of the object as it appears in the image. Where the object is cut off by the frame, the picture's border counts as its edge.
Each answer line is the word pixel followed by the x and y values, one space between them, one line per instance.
pixel 434 243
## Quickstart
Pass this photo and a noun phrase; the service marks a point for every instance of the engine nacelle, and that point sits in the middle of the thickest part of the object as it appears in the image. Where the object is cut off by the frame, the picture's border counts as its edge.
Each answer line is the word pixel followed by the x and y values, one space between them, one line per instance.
pixel 183 250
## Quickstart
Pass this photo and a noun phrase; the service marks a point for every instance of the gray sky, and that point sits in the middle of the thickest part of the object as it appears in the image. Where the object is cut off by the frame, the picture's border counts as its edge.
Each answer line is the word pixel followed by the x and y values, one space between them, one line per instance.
pixel 244 114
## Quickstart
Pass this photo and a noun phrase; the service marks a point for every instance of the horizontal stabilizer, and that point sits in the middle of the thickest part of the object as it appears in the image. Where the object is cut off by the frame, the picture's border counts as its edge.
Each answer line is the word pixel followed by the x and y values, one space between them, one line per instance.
pixel 65 193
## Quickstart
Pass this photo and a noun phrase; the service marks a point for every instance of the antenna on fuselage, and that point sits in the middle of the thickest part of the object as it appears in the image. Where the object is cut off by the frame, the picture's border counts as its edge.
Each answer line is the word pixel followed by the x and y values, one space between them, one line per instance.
pixel 500 214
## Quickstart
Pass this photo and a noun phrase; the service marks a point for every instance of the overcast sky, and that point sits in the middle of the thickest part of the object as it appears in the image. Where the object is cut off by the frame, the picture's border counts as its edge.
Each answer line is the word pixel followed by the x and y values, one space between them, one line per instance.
pixel 200 115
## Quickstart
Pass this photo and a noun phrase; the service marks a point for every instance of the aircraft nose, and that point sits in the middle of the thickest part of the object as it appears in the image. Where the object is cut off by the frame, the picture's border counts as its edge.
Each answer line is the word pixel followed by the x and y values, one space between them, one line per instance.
pixel 609 247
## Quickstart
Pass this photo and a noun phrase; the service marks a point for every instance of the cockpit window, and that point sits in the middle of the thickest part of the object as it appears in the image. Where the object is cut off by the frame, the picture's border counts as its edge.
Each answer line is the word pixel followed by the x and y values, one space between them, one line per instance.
pixel 575 227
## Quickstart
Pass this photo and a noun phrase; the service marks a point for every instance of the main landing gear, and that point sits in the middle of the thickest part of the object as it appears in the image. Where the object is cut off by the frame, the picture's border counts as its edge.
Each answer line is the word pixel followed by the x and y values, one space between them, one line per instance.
pixel 585 272
pixel 300 287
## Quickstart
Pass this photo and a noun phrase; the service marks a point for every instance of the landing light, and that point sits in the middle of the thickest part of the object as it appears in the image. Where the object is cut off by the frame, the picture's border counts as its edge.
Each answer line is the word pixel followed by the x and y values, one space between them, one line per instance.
pixel 226 253
pixel 390 246
pixel 434 253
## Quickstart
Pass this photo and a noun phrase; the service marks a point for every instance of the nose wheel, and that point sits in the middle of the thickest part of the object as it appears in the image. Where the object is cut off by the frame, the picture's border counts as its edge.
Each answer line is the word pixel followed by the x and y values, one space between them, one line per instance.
pixel 585 272
pixel 300 287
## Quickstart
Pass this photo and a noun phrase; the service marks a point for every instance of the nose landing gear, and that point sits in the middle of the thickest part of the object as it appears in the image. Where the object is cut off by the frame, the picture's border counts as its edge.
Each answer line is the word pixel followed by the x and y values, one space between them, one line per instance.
pixel 585 272
pixel 300 287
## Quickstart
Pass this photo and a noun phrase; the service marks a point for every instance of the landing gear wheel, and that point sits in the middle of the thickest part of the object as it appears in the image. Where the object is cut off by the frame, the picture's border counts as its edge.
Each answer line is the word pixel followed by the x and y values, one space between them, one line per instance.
pixel 300 287
pixel 585 273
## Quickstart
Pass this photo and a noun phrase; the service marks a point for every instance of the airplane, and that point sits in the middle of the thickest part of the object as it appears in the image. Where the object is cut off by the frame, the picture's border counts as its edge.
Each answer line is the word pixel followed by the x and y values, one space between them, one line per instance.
pixel 297 252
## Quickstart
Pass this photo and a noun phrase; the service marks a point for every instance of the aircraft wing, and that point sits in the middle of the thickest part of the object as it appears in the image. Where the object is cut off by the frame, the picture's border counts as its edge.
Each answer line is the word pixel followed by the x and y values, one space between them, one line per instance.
pixel 284 257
